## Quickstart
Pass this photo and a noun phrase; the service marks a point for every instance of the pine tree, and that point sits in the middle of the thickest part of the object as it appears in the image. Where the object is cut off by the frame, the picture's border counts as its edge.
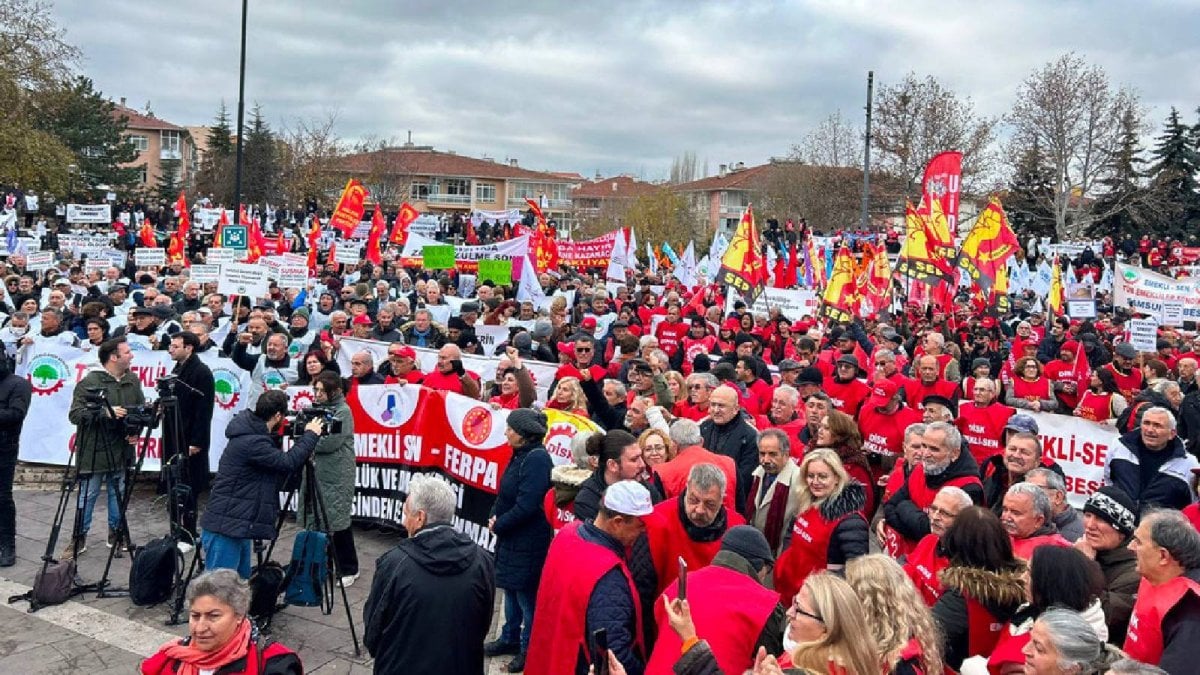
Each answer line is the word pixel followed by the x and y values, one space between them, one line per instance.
pixel 216 174
pixel 260 167
pixel 220 135
pixel 87 124
pixel 1173 186
pixel 1030 194
pixel 1120 208
pixel 168 185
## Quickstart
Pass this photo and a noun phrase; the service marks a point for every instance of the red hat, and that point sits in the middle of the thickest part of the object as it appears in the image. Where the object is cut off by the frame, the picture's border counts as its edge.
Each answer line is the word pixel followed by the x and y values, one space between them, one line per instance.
pixel 732 323
pixel 988 322
pixel 566 347
pixel 588 323
pixel 404 352
pixel 362 320
pixel 883 393
pixel 1069 346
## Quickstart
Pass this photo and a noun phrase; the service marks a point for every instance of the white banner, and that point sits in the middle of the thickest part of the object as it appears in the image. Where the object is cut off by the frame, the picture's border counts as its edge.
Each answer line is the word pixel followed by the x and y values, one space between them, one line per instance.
pixel 205 273
pixel 207 219
pixel 243 279
pixel 149 257
pixel 89 213
pixel 293 276
pixel 1145 291
pixel 425 225
pixel 1080 447
pixel 39 260
pixel 1143 334
pixel 490 337
pixel 792 303
pixel 513 216
pixel 223 256
pixel 347 253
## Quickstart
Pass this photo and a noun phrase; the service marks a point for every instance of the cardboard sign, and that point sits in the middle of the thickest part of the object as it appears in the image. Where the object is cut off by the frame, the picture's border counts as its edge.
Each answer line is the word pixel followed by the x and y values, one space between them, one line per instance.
pixel 347 253
pixel 149 257
pixel 1082 309
pixel 498 272
pixel 205 274
pixel 223 256
pixel 292 276
pixel 1172 312
pixel 440 257
pixel 89 213
pixel 243 279
pixel 41 260
pixel 1143 334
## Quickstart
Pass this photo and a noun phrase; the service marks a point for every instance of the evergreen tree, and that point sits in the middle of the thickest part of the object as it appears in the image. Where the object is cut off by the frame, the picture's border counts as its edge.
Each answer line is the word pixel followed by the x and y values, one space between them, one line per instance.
pixel 220 135
pixel 168 184
pixel 260 157
pixel 216 175
pixel 1120 208
pixel 88 125
pixel 1030 194
pixel 1173 186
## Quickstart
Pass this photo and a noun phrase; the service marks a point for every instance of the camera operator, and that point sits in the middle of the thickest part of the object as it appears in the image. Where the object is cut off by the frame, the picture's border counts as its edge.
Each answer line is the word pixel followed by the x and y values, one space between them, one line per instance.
pixel 15 393
pixel 103 442
pixel 244 501
pixel 194 391
pixel 334 460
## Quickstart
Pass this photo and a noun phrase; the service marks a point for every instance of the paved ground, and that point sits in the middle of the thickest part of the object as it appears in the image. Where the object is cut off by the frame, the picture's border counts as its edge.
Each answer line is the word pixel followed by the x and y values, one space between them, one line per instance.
pixel 111 635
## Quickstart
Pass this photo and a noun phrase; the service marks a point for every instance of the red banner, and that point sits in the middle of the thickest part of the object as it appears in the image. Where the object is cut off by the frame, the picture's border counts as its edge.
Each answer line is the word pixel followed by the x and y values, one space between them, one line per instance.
pixel 591 253
pixel 943 183
pixel 350 207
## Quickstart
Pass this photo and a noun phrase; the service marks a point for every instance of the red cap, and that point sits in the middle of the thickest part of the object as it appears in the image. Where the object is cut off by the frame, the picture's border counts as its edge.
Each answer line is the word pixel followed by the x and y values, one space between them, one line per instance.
pixel 988 322
pixel 404 351
pixel 1069 346
pixel 588 323
pixel 883 393
pixel 362 320
pixel 566 348
pixel 733 324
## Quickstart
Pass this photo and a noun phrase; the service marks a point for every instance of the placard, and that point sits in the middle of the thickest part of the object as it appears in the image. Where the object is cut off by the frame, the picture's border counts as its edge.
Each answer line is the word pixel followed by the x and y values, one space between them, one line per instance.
pixel 1172 313
pixel 40 260
pixel 440 257
pixel 1143 334
pixel 89 213
pixel 205 274
pixel 95 265
pixel 292 276
pixel 1081 309
pixel 149 257
pixel 497 271
pixel 223 256
pixel 243 279
pixel 347 253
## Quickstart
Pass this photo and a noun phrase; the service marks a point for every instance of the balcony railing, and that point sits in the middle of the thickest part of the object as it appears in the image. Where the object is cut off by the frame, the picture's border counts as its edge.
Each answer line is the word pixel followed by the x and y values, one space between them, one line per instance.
pixel 551 203
pixel 457 200
pixel 167 153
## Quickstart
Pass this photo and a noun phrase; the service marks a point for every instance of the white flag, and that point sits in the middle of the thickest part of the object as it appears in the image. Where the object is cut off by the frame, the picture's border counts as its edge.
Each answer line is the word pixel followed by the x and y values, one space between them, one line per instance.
pixel 616 264
pixel 631 260
pixel 717 249
pixel 528 287
pixel 653 260
pixel 686 271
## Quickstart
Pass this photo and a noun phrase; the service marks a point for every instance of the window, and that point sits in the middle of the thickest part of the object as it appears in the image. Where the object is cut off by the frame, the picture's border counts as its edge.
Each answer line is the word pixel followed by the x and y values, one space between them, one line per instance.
pixel 139 142
pixel 419 191
pixel 458 186
pixel 485 192
pixel 171 141
pixel 142 177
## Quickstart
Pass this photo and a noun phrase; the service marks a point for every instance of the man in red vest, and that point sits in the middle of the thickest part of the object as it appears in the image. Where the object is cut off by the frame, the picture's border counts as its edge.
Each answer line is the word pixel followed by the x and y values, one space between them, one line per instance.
pixel 929 383
pixel 925 561
pixel 586 586
pixel 690 525
pixel 845 389
pixel 729 606
pixel 1029 519
pixel 1127 375
pixel 1165 627
pixel 784 414
pixel 772 502
pixel 884 418
pixel 982 421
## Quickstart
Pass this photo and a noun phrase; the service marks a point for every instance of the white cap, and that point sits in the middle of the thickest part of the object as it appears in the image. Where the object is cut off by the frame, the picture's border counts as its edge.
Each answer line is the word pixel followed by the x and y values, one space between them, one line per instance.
pixel 628 498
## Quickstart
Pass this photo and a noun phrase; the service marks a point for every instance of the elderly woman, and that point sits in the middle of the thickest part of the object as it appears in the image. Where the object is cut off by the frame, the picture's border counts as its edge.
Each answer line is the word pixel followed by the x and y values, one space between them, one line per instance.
pixel 1031 389
pixel 522 533
pixel 829 529
pixel 221 639
pixel 514 385
pixel 1062 642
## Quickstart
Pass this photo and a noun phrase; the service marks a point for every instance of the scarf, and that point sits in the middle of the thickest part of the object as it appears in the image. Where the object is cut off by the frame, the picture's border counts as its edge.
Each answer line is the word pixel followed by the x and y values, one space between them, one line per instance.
pixel 192 660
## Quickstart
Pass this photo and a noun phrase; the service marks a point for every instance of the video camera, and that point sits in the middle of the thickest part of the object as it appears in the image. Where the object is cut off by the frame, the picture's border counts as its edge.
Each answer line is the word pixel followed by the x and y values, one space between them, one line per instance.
pixel 298 420
pixel 136 418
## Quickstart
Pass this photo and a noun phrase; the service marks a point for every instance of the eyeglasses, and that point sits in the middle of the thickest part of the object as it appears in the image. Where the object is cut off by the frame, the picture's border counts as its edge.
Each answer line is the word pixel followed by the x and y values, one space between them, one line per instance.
pixel 803 612
pixel 696 387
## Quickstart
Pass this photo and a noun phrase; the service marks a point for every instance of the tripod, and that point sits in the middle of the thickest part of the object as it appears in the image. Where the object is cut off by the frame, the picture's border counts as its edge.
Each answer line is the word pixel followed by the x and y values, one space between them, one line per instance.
pixel 123 538
pixel 181 504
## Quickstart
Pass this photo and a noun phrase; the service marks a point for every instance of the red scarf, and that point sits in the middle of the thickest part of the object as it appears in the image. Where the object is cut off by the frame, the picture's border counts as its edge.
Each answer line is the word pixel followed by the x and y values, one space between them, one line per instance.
pixel 193 660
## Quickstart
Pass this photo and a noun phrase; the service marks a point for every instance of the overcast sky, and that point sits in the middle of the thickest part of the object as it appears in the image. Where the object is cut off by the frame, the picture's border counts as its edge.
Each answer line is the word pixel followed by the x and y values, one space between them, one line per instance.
pixel 614 87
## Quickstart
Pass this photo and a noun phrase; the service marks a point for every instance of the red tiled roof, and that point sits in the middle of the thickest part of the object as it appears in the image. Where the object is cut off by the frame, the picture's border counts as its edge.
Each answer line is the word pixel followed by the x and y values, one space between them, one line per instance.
pixel 423 162
pixel 139 121
pixel 743 179
pixel 617 187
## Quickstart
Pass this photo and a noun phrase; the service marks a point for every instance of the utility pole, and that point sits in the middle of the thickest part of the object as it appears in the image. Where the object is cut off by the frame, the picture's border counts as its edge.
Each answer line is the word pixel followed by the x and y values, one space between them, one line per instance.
pixel 864 220
pixel 241 132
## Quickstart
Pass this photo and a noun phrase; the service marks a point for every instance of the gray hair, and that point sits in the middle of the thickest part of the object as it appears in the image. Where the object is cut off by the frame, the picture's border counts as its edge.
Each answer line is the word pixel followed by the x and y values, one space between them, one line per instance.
pixel 1041 502
pixel 707 379
pixel 1165 386
pixel 1171 530
pixel 1075 640
pixel 1131 667
pixel 433 496
pixel 426 312
pixel 225 585
pixel 790 392
pixel 1159 410
pixel 685 432
pixel 915 429
pixel 959 495
pixel 579 448
pixel 618 387
pixel 1053 480
pixel 647 340
pixel 781 438
pixel 706 476
pixel 953 440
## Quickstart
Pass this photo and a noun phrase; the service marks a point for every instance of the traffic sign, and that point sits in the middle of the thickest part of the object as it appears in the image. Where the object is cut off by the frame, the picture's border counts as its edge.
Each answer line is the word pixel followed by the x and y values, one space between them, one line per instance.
pixel 235 236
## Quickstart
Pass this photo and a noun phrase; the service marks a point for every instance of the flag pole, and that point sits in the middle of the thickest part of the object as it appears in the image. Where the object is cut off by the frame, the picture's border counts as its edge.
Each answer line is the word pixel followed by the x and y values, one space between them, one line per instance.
pixel 866 194
pixel 241 115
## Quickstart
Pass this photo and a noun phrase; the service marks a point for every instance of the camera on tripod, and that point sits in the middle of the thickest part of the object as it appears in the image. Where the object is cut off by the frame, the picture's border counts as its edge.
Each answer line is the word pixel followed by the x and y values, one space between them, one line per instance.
pixel 139 417
pixel 300 419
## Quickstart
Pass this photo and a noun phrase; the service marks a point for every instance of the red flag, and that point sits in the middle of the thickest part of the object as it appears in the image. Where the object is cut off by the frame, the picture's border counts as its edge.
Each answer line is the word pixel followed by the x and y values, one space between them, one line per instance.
pixel 780 273
pixel 221 223
pixel 243 217
pixel 350 208
pixel 176 252
pixel 314 242
pixel 378 227
pixel 942 183
pixel 403 219
pixel 281 245
pixel 472 237
pixel 537 211
pixel 791 274
pixel 185 220
pixel 544 248
pixel 256 243
pixel 147 235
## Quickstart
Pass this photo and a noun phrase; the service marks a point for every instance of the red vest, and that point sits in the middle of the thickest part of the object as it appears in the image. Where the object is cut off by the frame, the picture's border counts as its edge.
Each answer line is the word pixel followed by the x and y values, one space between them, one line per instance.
pixel 1063 371
pixel 668 540
pixel 1095 407
pixel 1144 641
pixel 983 428
pixel 1128 385
pixel 729 609
pixel 894 543
pixel 573 567
pixel 808 552
pixel 1192 511
pixel 924 565
pixel 670 336
pixel 569 370
pixel 693 348
pixel 895 481
pixel 413 376
pixel 792 429
pixel 847 397
pixel 919 390
pixel 689 411
pixel 884 434
pixel 1008 649
pixel 1034 391
pixel 983 629
pixel 558 516
pixel 1023 548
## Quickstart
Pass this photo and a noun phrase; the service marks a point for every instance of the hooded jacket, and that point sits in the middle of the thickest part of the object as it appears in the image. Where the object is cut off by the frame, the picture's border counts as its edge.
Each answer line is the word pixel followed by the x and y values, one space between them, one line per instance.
pixel 430 604
pixel 1169 487
pixel 1001 593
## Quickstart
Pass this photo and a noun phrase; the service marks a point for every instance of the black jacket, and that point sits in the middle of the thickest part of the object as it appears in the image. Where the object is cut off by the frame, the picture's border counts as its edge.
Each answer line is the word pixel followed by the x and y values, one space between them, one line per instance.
pixel 1169 487
pixel 996 480
pixel 851 538
pixel 613 608
pixel 522 533
pixel 244 501
pixel 1189 422
pixel 608 416
pixel 430 605
pixel 906 518
pixel 737 439
pixel 195 391
pixel 15 393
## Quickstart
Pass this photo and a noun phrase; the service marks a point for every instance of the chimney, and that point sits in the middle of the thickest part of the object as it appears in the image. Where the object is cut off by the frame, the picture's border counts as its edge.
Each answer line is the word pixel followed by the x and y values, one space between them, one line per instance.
pixel 722 170
pixel 409 143
pixel 614 186
pixel 512 162
pixel 740 166
pixel 122 101
pixel 598 177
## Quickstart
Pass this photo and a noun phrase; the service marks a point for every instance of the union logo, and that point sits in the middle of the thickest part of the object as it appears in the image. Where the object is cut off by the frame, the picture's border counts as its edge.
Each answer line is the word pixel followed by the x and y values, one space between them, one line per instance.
pixel 301 399
pixel 273 379
pixel 1130 275
pixel 558 442
pixel 477 425
pixel 47 373
pixel 227 387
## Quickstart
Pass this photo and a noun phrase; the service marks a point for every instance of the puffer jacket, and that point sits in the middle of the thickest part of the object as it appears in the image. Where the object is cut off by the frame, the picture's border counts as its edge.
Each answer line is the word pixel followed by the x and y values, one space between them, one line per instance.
pixel 851 537
pixel 522 533
pixel 334 459
pixel 244 501
pixel 1000 592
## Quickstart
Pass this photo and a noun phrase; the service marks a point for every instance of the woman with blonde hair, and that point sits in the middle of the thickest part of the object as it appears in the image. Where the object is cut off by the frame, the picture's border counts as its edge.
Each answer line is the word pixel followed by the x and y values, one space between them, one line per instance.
pixel 827 629
pixel 829 529
pixel 840 432
pixel 569 397
pixel 677 384
pixel 903 627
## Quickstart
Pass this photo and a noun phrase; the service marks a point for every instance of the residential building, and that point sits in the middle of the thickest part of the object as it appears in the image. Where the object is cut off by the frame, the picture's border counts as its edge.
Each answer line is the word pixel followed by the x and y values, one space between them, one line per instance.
pixel 159 144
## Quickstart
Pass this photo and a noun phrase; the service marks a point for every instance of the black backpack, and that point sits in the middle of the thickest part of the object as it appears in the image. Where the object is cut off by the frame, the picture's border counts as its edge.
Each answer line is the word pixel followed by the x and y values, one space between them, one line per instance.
pixel 153 570
pixel 266 583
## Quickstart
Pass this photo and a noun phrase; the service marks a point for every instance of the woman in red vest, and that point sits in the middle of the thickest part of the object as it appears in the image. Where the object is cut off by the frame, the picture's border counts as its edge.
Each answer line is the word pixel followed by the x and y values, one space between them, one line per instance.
pixel 565 482
pixel 568 397
pixel 905 635
pixel 982 587
pixel 829 529
pixel 1102 402
pixel 839 433
pixel 1030 389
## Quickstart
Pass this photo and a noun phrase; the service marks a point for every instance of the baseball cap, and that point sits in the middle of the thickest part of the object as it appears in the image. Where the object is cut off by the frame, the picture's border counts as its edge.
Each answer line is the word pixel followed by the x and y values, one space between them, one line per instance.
pixel 890 335
pixel 403 351
pixel 883 393
pixel 628 498
pixel 362 320
pixel 588 323
pixel 1023 423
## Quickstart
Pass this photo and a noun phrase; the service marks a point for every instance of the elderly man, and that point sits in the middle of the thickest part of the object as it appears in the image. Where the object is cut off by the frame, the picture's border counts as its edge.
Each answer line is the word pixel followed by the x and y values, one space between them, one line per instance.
pixel 1066 518
pixel 809 381
pixel 1029 520
pixel 400 366
pixel 690 525
pixel 772 502
pixel 362 370
pixel 883 419
pixel 586 586
pixel 925 562
pixel 423 332
pixel 673 474
pixel 1022 454
pixel 728 432
pixel 1151 465
pixel 982 420
pixel 1128 376
pixel 699 387
pixel 784 414
pixel 929 383
pixel 934 344
pixel 1165 627
pixel 941 463
pixel 450 375
pixel 273 369
pixel 1186 368
pixel 1109 519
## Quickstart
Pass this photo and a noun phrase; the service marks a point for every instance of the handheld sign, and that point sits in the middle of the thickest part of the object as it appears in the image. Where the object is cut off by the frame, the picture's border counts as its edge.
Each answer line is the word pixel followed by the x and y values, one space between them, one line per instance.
pixel 243 279
pixel 498 272
pixel 149 257
pixel 439 257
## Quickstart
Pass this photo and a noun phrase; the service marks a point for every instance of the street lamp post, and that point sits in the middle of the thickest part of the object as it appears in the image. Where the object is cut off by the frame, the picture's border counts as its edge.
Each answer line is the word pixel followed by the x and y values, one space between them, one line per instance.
pixel 241 115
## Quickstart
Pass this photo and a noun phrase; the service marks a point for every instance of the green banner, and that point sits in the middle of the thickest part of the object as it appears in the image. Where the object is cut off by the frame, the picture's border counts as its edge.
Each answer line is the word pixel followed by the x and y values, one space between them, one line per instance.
pixel 498 272
pixel 438 257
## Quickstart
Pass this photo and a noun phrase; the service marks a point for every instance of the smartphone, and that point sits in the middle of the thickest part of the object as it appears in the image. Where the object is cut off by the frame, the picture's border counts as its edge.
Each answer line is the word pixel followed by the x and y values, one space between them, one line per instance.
pixel 600 651
pixel 682 578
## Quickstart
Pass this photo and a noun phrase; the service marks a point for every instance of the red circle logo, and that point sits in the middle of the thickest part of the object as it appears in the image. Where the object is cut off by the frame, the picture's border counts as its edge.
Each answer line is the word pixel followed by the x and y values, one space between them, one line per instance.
pixel 477 425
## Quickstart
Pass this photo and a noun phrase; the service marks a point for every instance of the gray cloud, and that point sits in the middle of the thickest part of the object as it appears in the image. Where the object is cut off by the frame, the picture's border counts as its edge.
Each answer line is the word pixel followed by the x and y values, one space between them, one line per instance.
pixel 610 86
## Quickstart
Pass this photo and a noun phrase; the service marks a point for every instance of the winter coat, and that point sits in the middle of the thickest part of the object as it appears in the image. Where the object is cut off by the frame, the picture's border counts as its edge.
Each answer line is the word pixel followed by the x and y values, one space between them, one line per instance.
pixel 1121 581
pixel 100 441
pixel 334 470
pixel 522 533
pixel 15 394
pixel 436 339
pixel 608 416
pixel 903 515
pixel 430 604
pixel 1171 485
pixel 737 439
pixel 195 392
pixel 1000 592
pixel 244 501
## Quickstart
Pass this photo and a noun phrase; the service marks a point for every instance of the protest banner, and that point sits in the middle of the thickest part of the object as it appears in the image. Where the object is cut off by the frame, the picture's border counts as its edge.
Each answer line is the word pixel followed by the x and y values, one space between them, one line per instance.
pixel 792 303
pixel 466 258
pixel 1145 291
pixel 498 272
pixel 1172 314
pixel 223 256
pixel 207 219
pixel 149 257
pixel 466 285
pixel 100 214
pixel 490 337
pixel 590 253
pixel 347 253
pixel 1143 334
pixel 425 225
pixel 438 257
pixel 205 274
pixel 1081 309
pixel 292 276
pixel 40 260
pixel 243 279
pixel 1081 447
